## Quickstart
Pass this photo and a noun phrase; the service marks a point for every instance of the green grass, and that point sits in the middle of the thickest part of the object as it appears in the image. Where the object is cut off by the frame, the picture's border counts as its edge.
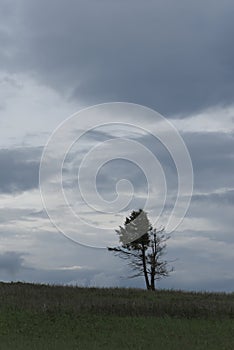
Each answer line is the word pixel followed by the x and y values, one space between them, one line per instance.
pixel 27 330
pixel 56 317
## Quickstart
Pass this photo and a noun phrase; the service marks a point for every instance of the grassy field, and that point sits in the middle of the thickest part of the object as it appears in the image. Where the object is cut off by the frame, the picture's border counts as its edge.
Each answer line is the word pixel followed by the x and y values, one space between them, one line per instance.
pixel 56 317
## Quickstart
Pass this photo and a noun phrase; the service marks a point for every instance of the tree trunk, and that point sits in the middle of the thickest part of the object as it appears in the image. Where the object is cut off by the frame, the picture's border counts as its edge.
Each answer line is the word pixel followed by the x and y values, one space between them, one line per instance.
pixel 145 269
pixel 153 263
pixel 152 282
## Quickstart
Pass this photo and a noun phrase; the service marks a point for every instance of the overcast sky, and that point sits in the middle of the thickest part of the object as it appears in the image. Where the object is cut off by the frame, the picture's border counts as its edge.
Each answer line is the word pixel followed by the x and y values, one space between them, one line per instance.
pixel 57 57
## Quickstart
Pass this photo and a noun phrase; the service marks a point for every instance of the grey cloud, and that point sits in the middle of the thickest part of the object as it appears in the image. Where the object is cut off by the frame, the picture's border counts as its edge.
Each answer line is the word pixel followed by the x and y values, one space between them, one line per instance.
pixel 216 235
pixel 213 159
pixel 38 214
pixel 83 277
pixel 213 143
pixel 201 263
pixel 192 268
pixel 212 155
pixel 19 169
pixel 11 262
pixel 174 57
pixel 11 82
pixel 223 198
pixel 8 215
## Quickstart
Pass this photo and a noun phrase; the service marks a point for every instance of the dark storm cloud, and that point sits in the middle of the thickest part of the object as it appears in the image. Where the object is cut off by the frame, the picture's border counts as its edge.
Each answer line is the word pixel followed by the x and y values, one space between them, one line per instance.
pixel 172 56
pixel 19 169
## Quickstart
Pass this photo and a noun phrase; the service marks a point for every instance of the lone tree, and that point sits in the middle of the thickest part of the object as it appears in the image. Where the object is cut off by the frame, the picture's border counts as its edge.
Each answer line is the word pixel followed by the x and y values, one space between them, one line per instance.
pixel 144 247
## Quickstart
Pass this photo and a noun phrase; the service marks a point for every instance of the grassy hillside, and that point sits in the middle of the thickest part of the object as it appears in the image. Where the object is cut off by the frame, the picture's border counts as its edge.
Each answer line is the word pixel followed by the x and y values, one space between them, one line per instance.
pixel 57 317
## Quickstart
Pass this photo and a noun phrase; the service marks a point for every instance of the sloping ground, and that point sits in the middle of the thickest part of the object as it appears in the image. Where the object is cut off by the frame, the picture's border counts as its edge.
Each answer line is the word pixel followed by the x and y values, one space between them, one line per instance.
pixel 56 317
pixel 116 301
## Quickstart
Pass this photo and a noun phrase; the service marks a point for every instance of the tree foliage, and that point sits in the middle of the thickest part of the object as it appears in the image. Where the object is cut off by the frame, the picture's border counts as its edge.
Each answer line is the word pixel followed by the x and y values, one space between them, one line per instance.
pixel 144 247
